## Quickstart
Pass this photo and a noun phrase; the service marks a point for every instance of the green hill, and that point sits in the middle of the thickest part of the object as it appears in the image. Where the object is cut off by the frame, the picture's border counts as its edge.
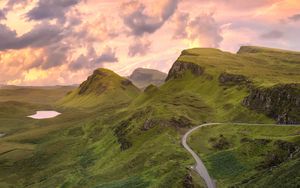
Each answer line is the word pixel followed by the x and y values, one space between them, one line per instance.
pixel 142 77
pixel 112 135
pixel 264 81
pixel 103 87
pixel 250 155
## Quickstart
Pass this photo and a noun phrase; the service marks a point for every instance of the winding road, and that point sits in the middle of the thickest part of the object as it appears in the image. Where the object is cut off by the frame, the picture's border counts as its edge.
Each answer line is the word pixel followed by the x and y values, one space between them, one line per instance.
pixel 199 167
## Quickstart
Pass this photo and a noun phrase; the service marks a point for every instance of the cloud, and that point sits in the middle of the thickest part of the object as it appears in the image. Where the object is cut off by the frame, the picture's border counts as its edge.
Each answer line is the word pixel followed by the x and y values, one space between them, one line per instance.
pixel 2 15
pixel 295 17
pixel 181 22
pixel 56 55
pixel 11 3
pixel 42 35
pixel 139 47
pixel 202 30
pixel 107 56
pixel 274 34
pixel 98 29
pixel 81 62
pixel 51 9
pixel 92 60
pixel 238 4
pixel 137 18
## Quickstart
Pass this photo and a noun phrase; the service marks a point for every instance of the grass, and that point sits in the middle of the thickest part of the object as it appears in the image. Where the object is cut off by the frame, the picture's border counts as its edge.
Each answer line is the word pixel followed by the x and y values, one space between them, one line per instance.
pixel 38 95
pixel 99 89
pixel 84 147
pixel 239 164
pixel 264 67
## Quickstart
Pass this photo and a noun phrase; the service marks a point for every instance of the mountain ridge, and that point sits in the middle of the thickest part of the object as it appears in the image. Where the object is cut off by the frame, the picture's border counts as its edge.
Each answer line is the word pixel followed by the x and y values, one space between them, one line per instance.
pixel 143 77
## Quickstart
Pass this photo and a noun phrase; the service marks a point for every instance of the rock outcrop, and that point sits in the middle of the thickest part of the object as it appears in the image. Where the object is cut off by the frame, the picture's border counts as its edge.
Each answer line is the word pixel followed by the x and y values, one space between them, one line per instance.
pixel 233 79
pixel 281 102
pixel 179 68
pixel 121 132
pixel 95 78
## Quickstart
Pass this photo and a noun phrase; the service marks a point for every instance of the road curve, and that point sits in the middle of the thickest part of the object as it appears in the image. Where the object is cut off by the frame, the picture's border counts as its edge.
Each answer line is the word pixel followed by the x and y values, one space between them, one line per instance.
pixel 200 168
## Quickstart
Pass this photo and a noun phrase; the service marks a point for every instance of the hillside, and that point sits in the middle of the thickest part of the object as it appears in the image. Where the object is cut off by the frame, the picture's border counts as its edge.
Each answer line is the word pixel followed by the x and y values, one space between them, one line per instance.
pixel 250 155
pixel 142 77
pixel 112 135
pixel 268 82
pixel 263 67
pixel 34 94
pixel 103 87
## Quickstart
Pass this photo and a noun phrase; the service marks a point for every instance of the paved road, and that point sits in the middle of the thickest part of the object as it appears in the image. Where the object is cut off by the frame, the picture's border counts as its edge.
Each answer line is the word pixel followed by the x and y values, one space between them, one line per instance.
pixel 200 168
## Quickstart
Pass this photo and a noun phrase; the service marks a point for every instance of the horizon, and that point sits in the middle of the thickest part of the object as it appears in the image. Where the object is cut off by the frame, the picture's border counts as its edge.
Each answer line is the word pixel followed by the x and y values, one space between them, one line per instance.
pixel 62 47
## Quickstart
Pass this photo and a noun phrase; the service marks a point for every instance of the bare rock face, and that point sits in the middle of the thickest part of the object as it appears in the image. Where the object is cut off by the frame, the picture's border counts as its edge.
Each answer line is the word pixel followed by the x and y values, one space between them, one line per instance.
pixel 281 102
pixel 121 132
pixel 233 79
pixel 93 83
pixel 179 68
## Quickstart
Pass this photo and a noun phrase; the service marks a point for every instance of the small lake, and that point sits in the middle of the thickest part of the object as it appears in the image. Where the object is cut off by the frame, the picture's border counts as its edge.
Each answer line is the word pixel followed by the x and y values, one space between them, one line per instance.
pixel 44 114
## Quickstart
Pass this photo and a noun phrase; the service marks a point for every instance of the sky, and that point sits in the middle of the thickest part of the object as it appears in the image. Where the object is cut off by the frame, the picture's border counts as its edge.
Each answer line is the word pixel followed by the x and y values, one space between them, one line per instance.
pixel 61 42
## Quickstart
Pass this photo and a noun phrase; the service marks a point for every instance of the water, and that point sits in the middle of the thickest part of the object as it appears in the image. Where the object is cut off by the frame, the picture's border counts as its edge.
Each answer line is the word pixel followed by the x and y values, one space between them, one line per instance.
pixel 2 134
pixel 44 114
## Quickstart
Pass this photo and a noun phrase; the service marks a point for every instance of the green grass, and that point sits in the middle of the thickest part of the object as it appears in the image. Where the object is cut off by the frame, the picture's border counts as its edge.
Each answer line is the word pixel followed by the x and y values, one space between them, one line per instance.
pixel 103 88
pixel 38 95
pixel 238 164
pixel 83 147
pixel 264 68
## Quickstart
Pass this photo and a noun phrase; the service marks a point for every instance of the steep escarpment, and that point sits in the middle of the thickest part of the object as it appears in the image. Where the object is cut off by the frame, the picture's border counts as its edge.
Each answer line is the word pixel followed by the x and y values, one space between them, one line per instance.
pixel 180 67
pixel 264 80
pixel 281 102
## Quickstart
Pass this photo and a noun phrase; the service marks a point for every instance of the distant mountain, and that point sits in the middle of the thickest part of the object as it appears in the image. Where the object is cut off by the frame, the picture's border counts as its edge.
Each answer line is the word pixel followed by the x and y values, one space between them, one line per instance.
pixel 102 87
pixel 142 77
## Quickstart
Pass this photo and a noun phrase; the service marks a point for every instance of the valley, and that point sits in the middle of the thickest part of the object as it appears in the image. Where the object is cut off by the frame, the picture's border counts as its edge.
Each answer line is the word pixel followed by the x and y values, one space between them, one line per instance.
pixel 111 133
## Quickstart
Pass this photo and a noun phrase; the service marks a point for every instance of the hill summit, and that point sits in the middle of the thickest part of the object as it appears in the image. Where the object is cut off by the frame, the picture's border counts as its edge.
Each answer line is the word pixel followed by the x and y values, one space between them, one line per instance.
pixel 103 86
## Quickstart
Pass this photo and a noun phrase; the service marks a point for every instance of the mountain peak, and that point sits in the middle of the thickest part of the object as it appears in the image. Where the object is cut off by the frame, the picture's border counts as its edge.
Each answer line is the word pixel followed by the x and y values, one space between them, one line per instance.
pixel 100 88
pixel 142 77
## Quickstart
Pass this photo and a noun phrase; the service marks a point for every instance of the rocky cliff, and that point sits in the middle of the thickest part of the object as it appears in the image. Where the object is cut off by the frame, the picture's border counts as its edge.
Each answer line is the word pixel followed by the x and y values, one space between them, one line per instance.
pixel 233 79
pixel 179 68
pixel 281 102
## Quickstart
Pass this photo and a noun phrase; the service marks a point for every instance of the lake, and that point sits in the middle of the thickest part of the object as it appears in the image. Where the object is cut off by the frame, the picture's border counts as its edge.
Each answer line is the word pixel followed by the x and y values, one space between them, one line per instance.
pixel 44 114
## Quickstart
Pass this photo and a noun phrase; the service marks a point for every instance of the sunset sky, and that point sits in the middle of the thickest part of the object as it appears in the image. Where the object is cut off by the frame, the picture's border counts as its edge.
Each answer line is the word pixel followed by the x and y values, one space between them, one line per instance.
pixel 51 42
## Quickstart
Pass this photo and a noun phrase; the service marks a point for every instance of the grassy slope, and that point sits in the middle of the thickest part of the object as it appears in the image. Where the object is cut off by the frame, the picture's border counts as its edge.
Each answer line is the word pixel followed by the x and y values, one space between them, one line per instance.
pixel 238 164
pixel 264 67
pixel 39 95
pixel 91 154
pixel 114 91
pixel 18 102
